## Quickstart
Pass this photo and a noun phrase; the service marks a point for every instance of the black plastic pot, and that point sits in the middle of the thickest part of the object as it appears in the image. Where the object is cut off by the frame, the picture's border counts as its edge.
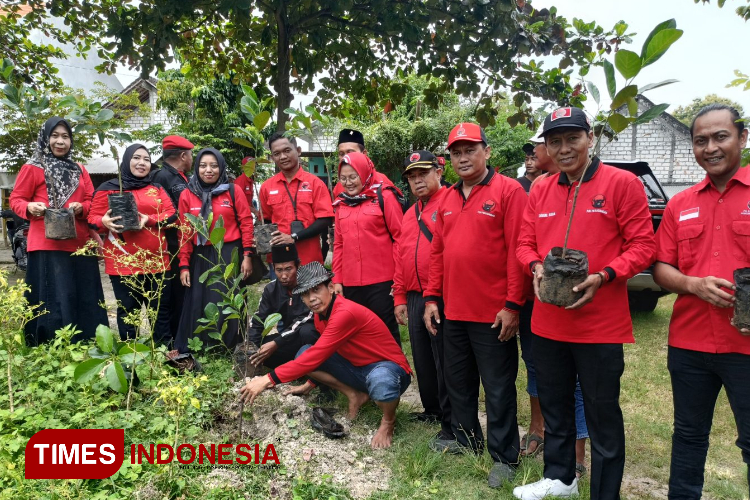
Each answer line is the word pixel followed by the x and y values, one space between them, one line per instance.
pixel 263 237
pixel 742 298
pixel 242 354
pixel 59 224
pixel 123 205
pixel 561 275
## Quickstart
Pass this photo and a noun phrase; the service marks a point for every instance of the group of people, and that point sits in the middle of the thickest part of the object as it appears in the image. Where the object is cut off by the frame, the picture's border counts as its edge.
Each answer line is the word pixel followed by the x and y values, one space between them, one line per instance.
pixel 462 268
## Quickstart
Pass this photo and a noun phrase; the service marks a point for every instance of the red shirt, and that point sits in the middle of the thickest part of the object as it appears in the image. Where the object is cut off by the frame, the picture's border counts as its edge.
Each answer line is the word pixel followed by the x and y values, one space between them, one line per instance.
pixel 473 265
pixel 221 205
pixel 413 262
pixel 351 330
pixel 29 187
pixel 612 224
pixel 152 201
pixel 707 233
pixel 363 251
pixel 247 185
pixel 313 202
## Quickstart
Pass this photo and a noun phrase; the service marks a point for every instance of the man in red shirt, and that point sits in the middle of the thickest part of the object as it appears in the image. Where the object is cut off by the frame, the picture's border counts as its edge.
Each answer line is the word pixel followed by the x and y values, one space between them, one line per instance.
pixel 702 239
pixel 355 354
pixel 423 173
pixel 474 270
pixel 296 200
pixel 612 224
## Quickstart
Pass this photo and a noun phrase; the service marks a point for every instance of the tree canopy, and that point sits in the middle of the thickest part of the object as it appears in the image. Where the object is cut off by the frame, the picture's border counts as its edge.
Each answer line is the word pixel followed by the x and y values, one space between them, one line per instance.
pixel 349 47
pixel 686 113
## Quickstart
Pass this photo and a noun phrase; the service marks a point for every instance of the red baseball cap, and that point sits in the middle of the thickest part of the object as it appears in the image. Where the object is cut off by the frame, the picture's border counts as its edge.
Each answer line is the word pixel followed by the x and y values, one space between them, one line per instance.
pixel 467 132
pixel 247 159
pixel 176 142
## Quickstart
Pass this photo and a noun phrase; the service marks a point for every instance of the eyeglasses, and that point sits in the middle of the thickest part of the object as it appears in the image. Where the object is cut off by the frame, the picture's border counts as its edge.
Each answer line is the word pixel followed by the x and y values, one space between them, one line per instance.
pixel 205 165
pixel 351 179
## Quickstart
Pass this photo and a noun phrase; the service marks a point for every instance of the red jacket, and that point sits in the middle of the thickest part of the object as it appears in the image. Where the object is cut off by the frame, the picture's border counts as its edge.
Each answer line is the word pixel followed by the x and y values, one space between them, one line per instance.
pixel 313 203
pixel 152 201
pixel 612 224
pixel 30 186
pixel 221 205
pixel 247 186
pixel 351 330
pixel 473 265
pixel 363 251
pixel 707 233
pixel 413 262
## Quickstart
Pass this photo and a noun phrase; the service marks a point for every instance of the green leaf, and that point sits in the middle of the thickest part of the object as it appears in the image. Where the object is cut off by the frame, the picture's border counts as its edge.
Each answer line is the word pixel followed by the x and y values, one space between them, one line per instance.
pixel 609 73
pixel 217 235
pixel 211 311
pixel 243 142
pixel 632 107
pixel 628 63
pixel 261 120
pixel 652 86
pixel 668 24
pixel 116 378
pixel 86 371
pixel 104 115
pixel 619 122
pixel 660 44
pixel 594 91
pixel 105 338
pixel 228 271
pixel 650 114
pixel 623 96
pixel 270 322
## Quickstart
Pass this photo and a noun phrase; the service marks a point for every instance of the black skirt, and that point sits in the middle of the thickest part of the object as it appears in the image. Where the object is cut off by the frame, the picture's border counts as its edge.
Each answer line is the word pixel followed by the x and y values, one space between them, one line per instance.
pixel 70 289
pixel 198 295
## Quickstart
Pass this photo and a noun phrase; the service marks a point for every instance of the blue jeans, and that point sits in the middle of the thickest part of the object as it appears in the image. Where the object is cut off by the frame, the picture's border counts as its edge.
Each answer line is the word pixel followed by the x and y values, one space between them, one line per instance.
pixel 697 378
pixel 525 335
pixel 383 381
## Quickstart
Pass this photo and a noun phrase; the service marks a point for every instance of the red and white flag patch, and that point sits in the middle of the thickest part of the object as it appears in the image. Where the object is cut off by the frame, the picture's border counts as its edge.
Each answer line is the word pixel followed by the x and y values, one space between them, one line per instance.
pixel 691 213
pixel 561 113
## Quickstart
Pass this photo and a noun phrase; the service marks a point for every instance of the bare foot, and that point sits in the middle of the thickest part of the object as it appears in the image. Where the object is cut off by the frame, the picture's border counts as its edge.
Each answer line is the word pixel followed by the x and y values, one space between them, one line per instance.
pixel 355 403
pixel 384 435
pixel 298 390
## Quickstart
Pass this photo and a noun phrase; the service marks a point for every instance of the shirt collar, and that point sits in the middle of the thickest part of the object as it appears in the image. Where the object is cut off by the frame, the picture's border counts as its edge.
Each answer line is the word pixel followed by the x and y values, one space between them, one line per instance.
pixel 742 176
pixel 483 182
pixel 593 168
pixel 326 315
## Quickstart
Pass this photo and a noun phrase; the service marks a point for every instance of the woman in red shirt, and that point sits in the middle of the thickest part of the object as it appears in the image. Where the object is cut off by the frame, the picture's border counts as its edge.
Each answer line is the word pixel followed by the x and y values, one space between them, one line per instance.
pixel 365 238
pixel 69 287
pixel 142 253
pixel 209 192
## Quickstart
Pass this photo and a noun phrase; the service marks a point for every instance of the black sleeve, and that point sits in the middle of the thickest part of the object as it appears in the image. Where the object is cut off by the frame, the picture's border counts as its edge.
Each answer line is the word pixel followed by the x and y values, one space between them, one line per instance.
pixel 265 308
pixel 292 331
pixel 320 226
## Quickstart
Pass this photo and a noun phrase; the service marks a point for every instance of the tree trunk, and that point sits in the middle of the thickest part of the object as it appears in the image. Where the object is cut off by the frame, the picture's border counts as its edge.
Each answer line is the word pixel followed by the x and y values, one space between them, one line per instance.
pixel 284 96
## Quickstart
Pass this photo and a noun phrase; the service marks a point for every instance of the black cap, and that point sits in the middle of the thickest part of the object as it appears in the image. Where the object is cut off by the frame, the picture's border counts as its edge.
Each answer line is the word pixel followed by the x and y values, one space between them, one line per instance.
pixel 310 275
pixel 420 159
pixel 351 135
pixel 566 118
pixel 528 148
pixel 284 253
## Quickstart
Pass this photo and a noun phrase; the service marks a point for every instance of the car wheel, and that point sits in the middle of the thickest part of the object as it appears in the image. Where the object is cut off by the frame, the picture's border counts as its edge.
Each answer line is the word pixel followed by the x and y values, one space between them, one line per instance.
pixel 643 301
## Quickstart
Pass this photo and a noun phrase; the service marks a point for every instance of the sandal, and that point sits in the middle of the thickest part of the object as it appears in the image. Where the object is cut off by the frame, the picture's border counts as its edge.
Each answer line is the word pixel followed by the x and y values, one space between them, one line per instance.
pixel 532 438
pixel 580 470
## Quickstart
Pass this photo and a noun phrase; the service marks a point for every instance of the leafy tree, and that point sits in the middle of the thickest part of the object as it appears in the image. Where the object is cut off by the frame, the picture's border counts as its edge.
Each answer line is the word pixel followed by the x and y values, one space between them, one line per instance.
pixel 743 10
pixel 350 47
pixel 686 113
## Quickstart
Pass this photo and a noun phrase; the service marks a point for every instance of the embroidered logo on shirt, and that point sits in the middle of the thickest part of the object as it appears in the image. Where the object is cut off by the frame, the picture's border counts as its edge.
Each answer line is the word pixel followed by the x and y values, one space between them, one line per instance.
pixel 434 216
pixel 305 186
pixel 225 203
pixel 488 206
pixel 447 213
pixel 152 192
pixel 691 213
pixel 275 191
pixel 550 214
pixel 598 201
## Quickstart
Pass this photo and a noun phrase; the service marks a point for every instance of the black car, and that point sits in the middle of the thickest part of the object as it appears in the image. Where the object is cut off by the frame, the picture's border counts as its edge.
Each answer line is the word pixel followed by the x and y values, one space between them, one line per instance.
pixel 643 292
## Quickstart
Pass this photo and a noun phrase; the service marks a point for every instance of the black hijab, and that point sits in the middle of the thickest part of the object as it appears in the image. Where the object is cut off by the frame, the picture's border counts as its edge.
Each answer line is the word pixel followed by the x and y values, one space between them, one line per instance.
pixel 207 191
pixel 61 175
pixel 129 181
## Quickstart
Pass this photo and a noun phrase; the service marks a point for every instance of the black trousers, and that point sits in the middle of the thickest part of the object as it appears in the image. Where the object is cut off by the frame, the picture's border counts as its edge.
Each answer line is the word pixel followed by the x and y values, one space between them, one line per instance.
pixel 599 368
pixel 472 350
pixel 289 348
pixel 697 378
pixel 378 299
pixel 130 300
pixel 427 351
pixel 172 297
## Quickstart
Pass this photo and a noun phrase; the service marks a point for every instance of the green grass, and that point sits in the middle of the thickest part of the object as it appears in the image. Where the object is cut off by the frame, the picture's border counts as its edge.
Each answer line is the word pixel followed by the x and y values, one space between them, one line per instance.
pixel 646 400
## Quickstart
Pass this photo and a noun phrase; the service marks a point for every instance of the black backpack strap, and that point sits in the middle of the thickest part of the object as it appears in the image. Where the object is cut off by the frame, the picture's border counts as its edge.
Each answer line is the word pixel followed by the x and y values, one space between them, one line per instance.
pixel 422 226
pixel 381 202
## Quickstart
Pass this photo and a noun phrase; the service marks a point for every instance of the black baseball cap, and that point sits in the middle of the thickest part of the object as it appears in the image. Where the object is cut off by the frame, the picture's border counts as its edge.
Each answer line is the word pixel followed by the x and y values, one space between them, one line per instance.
pixel 351 135
pixel 566 118
pixel 420 159
pixel 528 148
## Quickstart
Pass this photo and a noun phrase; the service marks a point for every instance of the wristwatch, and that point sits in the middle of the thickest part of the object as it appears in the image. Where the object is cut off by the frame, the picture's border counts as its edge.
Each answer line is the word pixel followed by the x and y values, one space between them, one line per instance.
pixel 294 236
